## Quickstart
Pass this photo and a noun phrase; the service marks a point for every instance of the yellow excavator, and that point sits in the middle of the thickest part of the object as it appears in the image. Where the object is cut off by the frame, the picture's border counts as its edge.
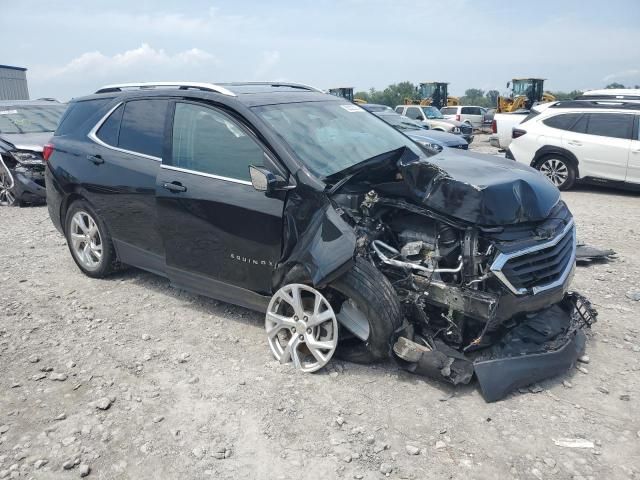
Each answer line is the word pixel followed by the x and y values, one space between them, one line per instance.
pixel 347 93
pixel 525 93
pixel 433 93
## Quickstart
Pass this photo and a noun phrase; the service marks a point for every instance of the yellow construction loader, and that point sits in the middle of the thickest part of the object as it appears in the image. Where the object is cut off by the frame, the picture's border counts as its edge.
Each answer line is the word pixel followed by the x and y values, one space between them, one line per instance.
pixel 433 93
pixel 525 93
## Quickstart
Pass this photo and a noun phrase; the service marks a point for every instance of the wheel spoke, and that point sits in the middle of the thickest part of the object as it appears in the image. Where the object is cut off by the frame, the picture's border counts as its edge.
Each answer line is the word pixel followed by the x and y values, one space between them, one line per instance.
pixel 320 318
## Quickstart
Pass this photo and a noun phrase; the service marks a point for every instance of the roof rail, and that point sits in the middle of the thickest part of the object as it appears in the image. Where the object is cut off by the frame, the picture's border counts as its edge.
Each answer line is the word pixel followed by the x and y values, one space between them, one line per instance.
pixel 608 103
pixel 207 87
pixel 278 84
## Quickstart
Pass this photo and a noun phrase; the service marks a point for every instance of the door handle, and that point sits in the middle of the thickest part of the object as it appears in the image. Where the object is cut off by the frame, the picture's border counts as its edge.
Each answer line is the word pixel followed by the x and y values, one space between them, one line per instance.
pixel 174 187
pixel 574 143
pixel 95 159
pixel 635 151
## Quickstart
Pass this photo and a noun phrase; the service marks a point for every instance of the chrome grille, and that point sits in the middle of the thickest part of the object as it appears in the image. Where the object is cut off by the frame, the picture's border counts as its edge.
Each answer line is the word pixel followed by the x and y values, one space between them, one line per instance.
pixel 539 268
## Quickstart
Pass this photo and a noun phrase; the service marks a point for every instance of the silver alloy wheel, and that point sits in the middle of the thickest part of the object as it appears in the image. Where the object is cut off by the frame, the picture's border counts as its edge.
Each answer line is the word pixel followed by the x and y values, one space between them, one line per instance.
pixel 301 327
pixel 7 198
pixel 86 241
pixel 555 170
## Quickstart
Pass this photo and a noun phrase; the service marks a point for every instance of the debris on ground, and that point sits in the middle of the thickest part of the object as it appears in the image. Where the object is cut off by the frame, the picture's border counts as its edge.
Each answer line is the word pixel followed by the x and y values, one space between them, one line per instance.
pixel 586 254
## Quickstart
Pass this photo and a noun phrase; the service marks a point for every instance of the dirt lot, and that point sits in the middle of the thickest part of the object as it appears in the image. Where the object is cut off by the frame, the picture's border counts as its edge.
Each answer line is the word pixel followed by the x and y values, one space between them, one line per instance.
pixel 130 378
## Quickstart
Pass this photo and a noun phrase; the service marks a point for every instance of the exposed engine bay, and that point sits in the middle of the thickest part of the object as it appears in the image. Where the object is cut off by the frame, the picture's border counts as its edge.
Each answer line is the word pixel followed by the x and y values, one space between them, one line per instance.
pixel 486 300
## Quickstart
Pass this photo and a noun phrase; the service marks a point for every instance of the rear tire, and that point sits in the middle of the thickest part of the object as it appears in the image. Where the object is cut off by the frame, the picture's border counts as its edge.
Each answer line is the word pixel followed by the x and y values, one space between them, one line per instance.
pixel 561 172
pixel 375 297
pixel 89 241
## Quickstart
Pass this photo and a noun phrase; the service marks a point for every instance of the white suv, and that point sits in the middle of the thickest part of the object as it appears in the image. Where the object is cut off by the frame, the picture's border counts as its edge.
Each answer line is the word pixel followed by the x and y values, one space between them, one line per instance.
pixel 471 115
pixel 589 140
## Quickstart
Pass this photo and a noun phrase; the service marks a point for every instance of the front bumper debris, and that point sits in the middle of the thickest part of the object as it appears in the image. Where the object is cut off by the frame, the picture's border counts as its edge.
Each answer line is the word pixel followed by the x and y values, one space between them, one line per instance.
pixel 541 345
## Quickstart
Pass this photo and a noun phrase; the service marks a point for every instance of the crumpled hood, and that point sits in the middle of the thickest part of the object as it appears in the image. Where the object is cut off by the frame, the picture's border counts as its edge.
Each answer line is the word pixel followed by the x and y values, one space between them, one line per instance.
pixel 27 141
pixel 480 189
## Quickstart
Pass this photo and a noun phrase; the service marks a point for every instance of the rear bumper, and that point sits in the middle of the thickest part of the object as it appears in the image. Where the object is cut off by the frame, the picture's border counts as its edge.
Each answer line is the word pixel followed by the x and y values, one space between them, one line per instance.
pixel 494 141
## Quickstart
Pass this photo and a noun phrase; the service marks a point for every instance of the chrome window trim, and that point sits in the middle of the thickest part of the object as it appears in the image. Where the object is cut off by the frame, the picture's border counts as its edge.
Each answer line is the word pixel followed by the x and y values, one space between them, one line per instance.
pixel 94 137
pixel 502 258
pixel 209 175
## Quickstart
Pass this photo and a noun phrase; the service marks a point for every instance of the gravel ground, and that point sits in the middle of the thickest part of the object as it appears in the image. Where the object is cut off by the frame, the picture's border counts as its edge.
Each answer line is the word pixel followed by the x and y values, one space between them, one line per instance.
pixel 130 378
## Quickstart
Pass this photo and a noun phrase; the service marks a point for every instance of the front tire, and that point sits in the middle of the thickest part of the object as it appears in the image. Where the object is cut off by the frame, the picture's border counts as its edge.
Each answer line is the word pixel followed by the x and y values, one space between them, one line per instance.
pixel 559 171
pixel 365 289
pixel 89 241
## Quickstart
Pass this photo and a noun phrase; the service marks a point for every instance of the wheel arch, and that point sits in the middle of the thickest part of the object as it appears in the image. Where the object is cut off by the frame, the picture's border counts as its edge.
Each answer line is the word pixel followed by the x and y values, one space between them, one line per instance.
pixel 66 203
pixel 551 150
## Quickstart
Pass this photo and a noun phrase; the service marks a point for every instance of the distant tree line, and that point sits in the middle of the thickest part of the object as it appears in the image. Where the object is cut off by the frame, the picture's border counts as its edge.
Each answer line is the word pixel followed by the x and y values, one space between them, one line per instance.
pixel 396 93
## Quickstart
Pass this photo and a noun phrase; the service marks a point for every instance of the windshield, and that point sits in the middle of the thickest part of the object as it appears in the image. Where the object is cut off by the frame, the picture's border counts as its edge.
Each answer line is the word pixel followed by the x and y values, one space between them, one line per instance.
pixel 329 136
pixel 30 119
pixel 400 122
pixel 432 112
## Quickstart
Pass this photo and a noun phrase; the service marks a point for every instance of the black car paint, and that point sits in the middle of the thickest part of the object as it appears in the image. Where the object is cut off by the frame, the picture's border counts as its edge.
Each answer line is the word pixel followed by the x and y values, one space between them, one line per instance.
pixel 226 240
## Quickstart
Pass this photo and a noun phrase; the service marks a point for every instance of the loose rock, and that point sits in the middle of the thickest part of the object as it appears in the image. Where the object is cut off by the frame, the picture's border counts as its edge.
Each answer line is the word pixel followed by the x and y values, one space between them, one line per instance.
pixel 412 450
pixel 84 470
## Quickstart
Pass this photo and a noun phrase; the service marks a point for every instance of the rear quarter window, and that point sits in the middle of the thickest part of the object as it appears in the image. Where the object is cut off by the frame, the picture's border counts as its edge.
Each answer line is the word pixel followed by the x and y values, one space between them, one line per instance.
pixel 563 121
pixel 78 113
pixel 142 126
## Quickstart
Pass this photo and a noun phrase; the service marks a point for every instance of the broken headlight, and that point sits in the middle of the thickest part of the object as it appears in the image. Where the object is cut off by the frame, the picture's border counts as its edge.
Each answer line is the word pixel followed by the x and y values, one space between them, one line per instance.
pixel 27 158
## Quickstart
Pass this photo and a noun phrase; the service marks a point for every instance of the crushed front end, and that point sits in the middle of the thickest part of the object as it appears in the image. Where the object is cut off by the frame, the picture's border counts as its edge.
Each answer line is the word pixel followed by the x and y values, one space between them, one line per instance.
pixel 485 292
pixel 23 172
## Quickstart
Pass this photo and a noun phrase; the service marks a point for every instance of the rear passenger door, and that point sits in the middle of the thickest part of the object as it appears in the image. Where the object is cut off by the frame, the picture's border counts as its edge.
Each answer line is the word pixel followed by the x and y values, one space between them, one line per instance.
pixel 601 142
pixel 222 237
pixel 124 163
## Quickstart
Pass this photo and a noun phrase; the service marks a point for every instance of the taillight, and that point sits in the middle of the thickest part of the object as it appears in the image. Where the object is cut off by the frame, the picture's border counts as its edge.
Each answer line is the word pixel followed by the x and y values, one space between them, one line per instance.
pixel 47 150
pixel 457 117
pixel 494 126
pixel 516 132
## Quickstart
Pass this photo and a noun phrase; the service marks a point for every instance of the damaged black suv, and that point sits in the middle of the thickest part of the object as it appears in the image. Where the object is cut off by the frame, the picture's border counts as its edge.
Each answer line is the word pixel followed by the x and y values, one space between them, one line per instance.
pixel 352 238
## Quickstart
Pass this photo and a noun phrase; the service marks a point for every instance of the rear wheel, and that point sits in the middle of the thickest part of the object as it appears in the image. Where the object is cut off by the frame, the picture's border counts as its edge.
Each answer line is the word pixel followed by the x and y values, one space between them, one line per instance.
pixel 89 241
pixel 559 171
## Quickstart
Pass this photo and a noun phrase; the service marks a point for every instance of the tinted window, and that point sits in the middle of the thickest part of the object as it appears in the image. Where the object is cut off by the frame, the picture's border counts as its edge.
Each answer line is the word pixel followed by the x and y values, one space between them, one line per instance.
pixel 110 129
pixel 471 111
pixel 448 111
pixel 563 122
pixel 142 126
pixel 610 125
pixel 79 112
pixel 581 125
pixel 399 110
pixel 531 115
pixel 414 112
pixel 207 141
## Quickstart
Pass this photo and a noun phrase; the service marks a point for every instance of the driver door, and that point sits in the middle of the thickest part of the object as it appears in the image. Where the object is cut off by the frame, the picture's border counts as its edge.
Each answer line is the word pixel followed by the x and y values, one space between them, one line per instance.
pixel 222 237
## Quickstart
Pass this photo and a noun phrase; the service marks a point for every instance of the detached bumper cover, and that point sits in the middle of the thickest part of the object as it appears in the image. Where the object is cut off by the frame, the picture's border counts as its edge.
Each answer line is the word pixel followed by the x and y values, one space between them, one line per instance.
pixel 540 346
pixel 29 185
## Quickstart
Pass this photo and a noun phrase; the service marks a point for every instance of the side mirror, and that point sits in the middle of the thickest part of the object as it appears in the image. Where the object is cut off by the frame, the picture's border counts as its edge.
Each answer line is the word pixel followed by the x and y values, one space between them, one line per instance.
pixel 266 181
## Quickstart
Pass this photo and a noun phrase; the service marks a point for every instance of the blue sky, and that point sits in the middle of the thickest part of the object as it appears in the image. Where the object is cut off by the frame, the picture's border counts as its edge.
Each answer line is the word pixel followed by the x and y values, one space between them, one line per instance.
pixel 72 47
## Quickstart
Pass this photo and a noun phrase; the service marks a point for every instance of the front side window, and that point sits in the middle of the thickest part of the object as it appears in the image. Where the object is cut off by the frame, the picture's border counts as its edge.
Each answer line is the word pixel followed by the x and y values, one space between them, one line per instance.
pixel 329 137
pixel 208 141
pixel 615 125
pixel 414 113
pixel 30 118
pixel 142 126
pixel 563 121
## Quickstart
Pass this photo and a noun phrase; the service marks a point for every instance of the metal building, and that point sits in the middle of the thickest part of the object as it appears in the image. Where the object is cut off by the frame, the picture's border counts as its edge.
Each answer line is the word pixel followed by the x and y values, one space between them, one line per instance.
pixel 13 83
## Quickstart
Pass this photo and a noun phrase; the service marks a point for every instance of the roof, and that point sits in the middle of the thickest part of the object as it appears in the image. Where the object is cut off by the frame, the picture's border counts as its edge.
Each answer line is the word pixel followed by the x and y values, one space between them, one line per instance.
pixel 619 93
pixel 606 104
pixel 22 69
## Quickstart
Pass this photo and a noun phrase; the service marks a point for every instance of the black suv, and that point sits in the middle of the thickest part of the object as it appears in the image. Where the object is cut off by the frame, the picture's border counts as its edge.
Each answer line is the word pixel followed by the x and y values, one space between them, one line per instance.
pixel 283 199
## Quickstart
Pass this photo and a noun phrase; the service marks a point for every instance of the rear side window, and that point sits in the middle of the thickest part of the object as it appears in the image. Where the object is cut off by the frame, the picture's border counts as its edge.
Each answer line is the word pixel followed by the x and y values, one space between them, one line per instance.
pixel 399 110
pixel 449 111
pixel 207 141
pixel 79 112
pixel 563 122
pixel 610 125
pixel 110 129
pixel 531 115
pixel 471 111
pixel 142 126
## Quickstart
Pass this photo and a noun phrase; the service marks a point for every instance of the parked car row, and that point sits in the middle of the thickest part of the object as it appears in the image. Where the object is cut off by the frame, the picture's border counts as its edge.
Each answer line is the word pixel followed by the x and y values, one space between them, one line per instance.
pixel 431 116
pixel 352 239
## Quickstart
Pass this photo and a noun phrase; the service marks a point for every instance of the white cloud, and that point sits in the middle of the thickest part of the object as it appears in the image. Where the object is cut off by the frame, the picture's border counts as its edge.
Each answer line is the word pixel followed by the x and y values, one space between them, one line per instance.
pixel 96 63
